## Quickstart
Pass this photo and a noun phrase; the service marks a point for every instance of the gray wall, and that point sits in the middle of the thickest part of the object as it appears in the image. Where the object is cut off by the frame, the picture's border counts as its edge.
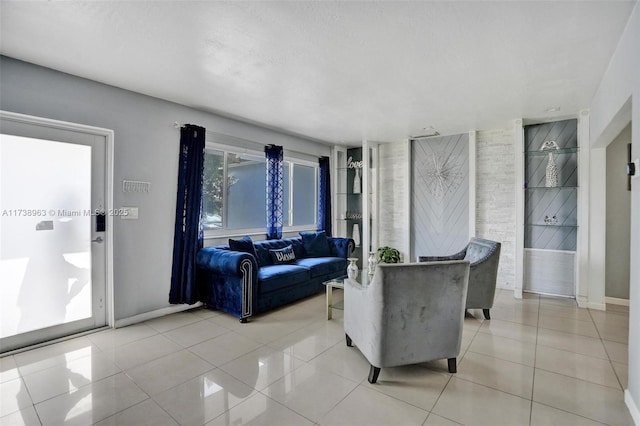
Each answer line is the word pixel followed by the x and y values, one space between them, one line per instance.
pixel 146 149
pixel 440 207
pixel 619 87
pixel 618 218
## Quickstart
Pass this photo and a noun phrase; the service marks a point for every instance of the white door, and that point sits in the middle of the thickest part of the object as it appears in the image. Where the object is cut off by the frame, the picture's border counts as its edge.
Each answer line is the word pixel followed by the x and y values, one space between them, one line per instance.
pixel 53 230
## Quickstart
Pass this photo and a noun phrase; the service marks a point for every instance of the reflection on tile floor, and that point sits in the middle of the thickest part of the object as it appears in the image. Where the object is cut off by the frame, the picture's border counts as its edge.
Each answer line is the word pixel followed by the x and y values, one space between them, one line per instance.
pixel 538 361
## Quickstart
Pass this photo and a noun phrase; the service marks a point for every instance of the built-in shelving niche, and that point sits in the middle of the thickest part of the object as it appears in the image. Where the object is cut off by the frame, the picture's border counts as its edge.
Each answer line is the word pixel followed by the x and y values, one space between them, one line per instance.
pixel 550 222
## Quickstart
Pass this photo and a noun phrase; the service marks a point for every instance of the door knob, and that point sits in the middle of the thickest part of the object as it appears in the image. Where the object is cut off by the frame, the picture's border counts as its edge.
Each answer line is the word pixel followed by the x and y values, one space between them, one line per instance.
pixel 97 240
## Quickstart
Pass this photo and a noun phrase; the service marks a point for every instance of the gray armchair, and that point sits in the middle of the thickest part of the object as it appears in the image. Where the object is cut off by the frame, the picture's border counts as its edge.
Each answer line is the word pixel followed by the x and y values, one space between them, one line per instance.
pixel 484 256
pixel 408 314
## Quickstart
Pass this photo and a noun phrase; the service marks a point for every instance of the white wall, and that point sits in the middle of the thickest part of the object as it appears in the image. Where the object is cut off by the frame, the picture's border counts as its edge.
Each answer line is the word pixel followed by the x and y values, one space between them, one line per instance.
pixel 393 196
pixel 146 149
pixel 610 112
pixel 618 218
pixel 495 197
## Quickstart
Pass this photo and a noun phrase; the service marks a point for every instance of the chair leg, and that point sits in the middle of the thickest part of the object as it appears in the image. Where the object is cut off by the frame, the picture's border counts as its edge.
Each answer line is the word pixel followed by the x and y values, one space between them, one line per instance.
pixel 486 314
pixel 349 342
pixel 453 368
pixel 373 374
pixel 243 320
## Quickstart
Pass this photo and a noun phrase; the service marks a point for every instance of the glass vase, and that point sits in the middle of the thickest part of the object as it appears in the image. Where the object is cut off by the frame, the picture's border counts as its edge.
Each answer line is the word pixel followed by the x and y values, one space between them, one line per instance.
pixel 357 185
pixel 355 234
pixel 371 262
pixel 352 268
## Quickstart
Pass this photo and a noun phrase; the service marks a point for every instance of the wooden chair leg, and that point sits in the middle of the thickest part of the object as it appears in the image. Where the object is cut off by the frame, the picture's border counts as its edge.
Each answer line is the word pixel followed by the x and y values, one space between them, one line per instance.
pixel 486 314
pixel 349 341
pixel 373 374
pixel 453 368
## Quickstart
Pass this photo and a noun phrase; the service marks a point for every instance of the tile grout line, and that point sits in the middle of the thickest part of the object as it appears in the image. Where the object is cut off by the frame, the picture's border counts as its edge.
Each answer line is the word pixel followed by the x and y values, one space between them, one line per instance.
pixel 451 376
pixel 535 359
pixel 607 352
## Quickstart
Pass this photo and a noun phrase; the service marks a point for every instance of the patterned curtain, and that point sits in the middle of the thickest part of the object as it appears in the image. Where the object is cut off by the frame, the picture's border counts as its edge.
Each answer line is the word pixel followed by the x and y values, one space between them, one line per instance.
pixel 187 239
pixel 324 197
pixel 274 191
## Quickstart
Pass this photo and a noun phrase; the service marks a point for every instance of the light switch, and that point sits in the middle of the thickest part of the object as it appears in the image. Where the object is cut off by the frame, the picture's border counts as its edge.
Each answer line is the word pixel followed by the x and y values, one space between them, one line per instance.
pixel 131 213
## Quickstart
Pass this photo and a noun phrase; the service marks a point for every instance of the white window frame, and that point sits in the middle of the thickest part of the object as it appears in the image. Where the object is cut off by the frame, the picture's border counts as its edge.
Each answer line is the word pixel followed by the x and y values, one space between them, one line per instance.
pixel 289 209
pixel 258 150
pixel 224 231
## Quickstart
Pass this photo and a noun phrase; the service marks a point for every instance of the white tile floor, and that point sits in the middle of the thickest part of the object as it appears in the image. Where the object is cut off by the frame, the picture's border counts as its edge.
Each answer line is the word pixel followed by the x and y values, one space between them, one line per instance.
pixel 538 361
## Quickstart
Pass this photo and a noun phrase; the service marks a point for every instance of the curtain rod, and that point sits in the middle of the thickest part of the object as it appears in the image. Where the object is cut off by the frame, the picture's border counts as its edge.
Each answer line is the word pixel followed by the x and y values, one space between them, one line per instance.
pixel 287 150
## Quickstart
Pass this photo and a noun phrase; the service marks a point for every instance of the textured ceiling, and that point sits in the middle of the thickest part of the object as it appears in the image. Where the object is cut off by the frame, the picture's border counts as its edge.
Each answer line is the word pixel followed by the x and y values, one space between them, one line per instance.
pixel 334 71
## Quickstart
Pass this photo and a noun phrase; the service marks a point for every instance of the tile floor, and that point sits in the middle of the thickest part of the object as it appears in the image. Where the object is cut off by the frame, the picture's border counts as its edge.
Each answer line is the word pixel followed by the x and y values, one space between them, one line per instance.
pixel 538 361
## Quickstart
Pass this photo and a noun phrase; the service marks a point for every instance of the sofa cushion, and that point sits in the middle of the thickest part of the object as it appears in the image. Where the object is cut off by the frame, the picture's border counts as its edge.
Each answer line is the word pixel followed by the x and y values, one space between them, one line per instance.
pixel 315 244
pixel 283 255
pixel 244 245
pixel 263 247
pixel 275 277
pixel 323 265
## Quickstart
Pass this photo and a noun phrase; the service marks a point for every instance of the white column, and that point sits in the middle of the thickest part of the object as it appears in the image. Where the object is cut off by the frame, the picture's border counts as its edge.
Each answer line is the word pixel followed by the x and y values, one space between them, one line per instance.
pixel 366 213
pixel 597 228
pixel 472 184
pixel 582 246
pixel 518 152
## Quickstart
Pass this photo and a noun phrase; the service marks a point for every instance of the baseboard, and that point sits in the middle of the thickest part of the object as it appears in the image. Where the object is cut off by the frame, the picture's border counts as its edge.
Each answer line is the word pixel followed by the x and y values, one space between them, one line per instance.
pixel 154 314
pixel 616 301
pixel 633 408
pixel 597 306
pixel 583 302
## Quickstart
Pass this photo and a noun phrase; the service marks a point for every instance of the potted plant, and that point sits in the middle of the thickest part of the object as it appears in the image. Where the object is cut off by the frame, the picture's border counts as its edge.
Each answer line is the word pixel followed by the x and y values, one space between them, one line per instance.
pixel 388 254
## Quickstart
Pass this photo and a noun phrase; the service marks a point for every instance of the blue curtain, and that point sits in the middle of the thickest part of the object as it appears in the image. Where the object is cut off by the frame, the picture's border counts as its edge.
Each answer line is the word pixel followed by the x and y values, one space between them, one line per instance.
pixel 274 191
pixel 187 239
pixel 324 197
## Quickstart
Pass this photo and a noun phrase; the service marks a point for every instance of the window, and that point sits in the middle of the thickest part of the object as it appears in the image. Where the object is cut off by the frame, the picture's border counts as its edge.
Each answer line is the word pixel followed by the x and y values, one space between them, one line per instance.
pixel 212 190
pixel 234 192
pixel 300 194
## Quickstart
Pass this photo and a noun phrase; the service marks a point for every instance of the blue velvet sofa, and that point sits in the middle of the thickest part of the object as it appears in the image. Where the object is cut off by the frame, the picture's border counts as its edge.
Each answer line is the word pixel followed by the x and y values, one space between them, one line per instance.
pixel 245 283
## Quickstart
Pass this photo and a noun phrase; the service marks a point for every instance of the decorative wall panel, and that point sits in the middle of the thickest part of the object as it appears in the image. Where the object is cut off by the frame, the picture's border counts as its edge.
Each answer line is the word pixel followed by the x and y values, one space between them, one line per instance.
pixel 440 195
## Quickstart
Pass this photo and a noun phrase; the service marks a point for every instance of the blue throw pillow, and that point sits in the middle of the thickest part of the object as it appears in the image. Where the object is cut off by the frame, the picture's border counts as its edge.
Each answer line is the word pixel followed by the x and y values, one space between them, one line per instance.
pixel 283 255
pixel 316 244
pixel 244 245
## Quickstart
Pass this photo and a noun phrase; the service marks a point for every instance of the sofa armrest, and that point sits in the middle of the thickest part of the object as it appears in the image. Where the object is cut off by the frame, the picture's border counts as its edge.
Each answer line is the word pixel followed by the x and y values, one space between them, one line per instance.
pixel 357 311
pixel 228 280
pixel 341 247
pixel 225 262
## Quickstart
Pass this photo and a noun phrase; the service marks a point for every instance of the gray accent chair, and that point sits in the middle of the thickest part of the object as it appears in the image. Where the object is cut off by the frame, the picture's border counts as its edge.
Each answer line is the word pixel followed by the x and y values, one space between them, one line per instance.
pixel 484 256
pixel 408 314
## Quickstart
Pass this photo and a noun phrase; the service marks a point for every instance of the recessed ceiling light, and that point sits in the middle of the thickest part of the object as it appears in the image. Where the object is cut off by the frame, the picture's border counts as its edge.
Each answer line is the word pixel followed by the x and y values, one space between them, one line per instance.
pixel 552 109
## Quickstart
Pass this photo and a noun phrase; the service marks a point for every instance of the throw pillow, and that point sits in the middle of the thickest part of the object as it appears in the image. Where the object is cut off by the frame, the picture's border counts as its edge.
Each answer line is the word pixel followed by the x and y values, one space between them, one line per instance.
pixel 283 255
pixel 244 245
pixel 316 244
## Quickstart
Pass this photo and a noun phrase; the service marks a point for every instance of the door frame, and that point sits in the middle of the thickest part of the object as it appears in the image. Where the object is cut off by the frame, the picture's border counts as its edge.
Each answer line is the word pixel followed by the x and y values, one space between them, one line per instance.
pixel 108 134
